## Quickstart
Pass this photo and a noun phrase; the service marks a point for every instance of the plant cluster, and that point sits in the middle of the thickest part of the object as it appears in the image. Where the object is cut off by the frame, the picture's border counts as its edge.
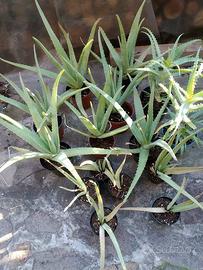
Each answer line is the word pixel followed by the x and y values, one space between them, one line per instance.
pixel 167 118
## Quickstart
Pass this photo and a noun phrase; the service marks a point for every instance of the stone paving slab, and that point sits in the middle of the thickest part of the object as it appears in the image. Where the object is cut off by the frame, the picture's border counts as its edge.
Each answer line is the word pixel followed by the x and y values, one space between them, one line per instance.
pixel 35 233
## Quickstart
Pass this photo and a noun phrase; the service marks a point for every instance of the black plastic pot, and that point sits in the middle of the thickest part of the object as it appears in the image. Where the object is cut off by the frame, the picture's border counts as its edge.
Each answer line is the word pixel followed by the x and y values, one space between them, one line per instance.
pixel 60 126
pixel 120 193
pixel 167 218
pixel 45 164
pixel 95 223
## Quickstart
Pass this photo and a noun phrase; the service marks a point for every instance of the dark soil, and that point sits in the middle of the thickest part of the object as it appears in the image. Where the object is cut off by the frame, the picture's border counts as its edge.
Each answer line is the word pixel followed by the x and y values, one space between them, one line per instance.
pixel 152 176
pixel 144 96
pixel 99 177
pixel 116 117
pixel 126 81
pixel 95 223
pixel 133 143
pixel 153 154
pixel 167 218
pixel 90 188
pixel 102 143
pixel 4 91
pixel 120 193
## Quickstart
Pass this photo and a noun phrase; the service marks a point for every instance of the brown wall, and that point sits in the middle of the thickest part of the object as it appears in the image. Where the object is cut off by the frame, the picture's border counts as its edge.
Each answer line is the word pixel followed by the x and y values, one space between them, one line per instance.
pixel 19 21
pixel 175 17
pixel 77 16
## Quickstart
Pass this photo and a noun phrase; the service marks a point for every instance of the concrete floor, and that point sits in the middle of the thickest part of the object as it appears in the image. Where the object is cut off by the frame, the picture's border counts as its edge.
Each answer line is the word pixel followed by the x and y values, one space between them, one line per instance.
pixel 36 234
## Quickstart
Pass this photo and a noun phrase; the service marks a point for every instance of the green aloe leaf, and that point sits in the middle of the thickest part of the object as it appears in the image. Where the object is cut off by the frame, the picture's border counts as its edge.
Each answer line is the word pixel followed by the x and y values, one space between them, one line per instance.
pixel 27 155
pixel 116 245
pixel 57 45
pixel 15 103
pixel 24 133
pixel 102 247
pixel 171 183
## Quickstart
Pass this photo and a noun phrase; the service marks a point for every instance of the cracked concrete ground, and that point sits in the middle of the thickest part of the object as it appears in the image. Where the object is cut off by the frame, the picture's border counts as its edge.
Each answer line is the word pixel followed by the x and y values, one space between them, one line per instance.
pixel 36 234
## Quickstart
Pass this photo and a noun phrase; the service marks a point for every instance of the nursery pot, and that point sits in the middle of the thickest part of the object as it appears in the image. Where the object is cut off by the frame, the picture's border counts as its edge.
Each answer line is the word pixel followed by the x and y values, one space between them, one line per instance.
pixel 101 179
pixel 90 188
pixel 106 143
pixel 119 193
pixel 45 164
pixel 86 98
pixel 167 218
pixel 95 223
pixel 60 126
pixel 117 120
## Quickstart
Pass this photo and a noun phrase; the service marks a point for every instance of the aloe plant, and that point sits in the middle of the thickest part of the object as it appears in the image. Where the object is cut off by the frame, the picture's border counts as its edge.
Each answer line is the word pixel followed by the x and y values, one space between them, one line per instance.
pixel 116 77
pixel 144 130
pixel 125 57
pixel 104 227
pixel 98 125
pixel 183 131
pixel 74 71
pixel 46 141
pixel 103 219
pixel 165 64
pixel 164 164
pixel 187 205
pixel 174 57
pixel 104 166
pixel 115 177
pixel 95 166
pixel 38 100
pixel 185 100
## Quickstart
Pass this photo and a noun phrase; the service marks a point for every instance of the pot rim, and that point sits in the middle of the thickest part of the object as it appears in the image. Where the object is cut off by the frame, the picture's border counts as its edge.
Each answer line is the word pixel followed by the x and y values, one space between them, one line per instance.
pixel 123 121
pixel 94 213
pixel 176 214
